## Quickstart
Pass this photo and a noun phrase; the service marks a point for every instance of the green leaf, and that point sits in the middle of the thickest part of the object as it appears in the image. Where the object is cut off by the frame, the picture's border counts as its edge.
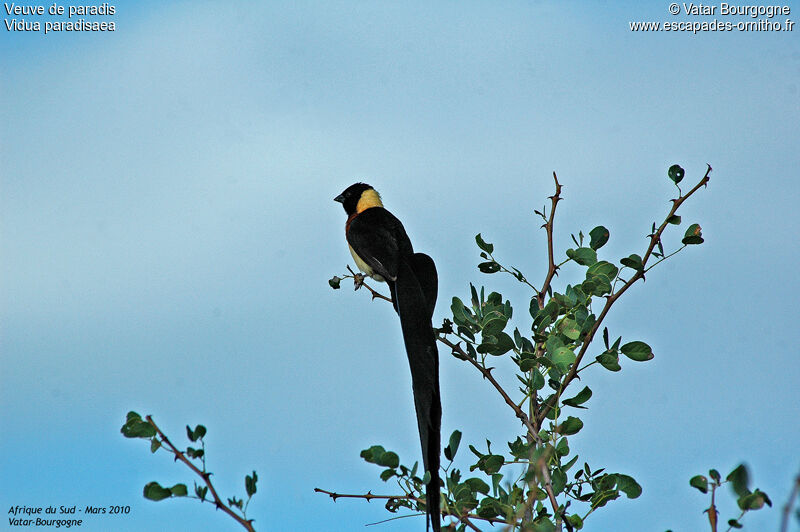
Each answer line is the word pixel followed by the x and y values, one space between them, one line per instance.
pixel 628 485
pixel 179 490
pixel 569 328
pixel 583 256
pixel 386 474
pixel 477 485
pixel 700 482
pixel 576 521
pixel 602 268
pixel 250 484
pixel 638 351
pixel 488 248
pixel 136 428
pixel 676 173
pixel 491 463
pixel 373 454
pixel 609 360
pixel 452 446
pixel 753 501
pixel 132 416
pixel 562 358
pixel 570 426
pixel 154 445
pixel 489 267
pixel 334 281
pixel 562 447
pixel 199 431
pixel 155 492
pixel 493 323
pixel 674 219
pixel 713 473
pixel 598 237
pixel 461 316
pixel 693 235
pixel 733 523
pixel 190 434
pixel 559 480
pixel 739 479
pixel 579 399
pixel 633 261
pixel 388 459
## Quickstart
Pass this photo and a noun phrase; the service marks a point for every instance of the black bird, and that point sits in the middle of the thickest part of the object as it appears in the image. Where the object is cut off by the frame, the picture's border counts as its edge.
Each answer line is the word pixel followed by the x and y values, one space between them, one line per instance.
pixel 382 250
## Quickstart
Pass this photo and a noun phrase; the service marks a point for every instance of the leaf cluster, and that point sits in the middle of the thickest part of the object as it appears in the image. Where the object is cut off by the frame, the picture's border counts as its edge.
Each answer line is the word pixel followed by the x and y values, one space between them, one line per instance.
pixel 195 459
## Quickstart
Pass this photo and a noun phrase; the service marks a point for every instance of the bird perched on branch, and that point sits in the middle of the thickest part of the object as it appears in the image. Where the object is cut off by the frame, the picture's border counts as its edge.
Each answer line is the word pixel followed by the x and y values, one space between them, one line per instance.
pixel 383 251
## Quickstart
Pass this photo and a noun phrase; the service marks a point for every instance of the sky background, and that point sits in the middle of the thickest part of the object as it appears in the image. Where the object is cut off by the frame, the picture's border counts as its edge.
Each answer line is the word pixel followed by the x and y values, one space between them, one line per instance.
pixel 167 231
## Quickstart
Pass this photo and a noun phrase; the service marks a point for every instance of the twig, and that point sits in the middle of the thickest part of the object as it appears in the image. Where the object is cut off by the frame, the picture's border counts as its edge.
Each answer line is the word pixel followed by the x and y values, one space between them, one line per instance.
pixel 464 519
pixel 358 280
pixel 548 226
pixel 247 524
pixel 611 299
pixel 487 374
pixel 367 496
pixel 712 512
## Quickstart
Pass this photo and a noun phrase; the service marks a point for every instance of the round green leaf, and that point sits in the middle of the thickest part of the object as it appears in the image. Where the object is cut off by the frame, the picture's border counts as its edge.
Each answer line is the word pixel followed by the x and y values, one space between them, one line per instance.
pixel 700 482
pixel 598 237
pixel 563 357
pixel 179 490
pixel 389 459
pixel 638 351
pixel 609 360
pixel 633 261
pixel 583 256
pixel 477 485
pixel 676 173
pixel 693 235
pixel 570 426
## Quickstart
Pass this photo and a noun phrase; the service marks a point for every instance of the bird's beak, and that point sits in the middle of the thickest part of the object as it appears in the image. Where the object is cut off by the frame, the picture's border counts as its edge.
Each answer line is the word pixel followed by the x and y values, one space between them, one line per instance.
pixel 339 198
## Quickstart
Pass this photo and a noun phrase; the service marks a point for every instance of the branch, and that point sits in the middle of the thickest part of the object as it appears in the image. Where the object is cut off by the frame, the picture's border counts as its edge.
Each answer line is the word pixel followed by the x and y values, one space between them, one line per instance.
pixel 611 299
pixel 367 496
pixel 487 374
pixel 358 281
pixel 548 227
pixel 247 524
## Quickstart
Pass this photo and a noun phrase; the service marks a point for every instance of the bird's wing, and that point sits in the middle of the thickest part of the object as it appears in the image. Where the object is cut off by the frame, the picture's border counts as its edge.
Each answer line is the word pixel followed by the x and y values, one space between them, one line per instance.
pixel 379 239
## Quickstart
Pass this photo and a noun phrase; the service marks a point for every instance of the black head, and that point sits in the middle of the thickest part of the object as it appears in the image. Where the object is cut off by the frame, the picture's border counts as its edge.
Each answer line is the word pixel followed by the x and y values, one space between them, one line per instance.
pixel 349 198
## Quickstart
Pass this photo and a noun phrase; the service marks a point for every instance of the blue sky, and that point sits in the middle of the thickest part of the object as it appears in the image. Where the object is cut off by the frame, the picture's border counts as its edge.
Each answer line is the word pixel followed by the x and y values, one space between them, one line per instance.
pixel 167 232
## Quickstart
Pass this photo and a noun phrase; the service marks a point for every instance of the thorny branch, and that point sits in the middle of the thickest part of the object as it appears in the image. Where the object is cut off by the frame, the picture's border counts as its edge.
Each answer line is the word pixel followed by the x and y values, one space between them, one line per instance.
pixel 369 496
pixel 247 524
pixel 655 238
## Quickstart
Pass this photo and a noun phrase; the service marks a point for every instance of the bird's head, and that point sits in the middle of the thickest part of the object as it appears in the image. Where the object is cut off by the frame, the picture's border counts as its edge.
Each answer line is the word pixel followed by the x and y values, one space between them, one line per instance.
pixel 358 197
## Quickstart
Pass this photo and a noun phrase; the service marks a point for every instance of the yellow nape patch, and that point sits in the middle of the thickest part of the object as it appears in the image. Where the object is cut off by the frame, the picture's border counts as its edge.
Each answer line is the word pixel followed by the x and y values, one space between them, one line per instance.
pixel 369 198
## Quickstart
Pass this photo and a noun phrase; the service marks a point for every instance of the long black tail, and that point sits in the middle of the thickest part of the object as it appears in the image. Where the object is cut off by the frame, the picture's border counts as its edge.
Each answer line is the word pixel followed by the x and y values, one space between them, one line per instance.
pixel 415 297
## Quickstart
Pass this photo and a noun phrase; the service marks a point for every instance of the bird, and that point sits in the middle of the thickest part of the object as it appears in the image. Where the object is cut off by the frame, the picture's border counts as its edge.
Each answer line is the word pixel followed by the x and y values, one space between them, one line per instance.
pixel 382 250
